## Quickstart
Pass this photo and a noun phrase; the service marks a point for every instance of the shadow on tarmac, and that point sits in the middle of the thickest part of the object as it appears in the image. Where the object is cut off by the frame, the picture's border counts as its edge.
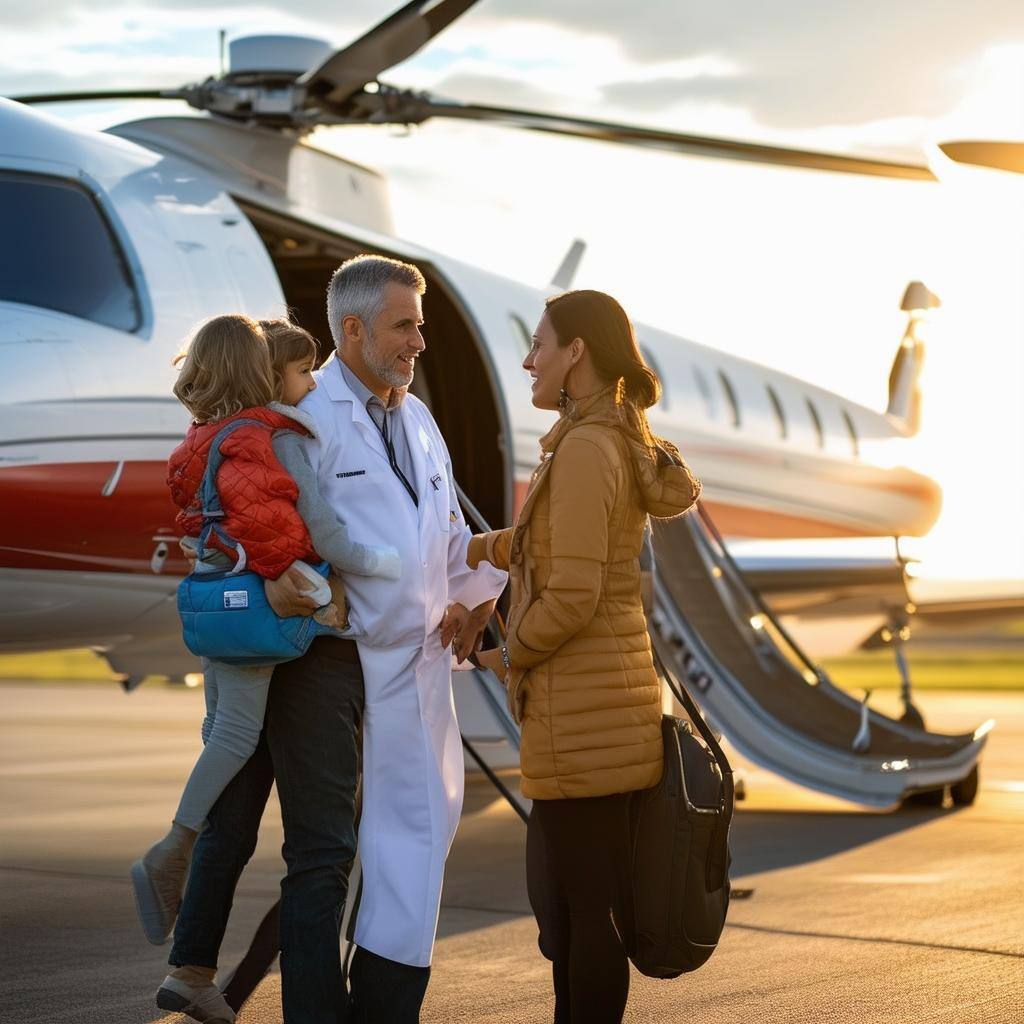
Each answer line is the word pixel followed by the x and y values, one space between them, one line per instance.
pixel 771 840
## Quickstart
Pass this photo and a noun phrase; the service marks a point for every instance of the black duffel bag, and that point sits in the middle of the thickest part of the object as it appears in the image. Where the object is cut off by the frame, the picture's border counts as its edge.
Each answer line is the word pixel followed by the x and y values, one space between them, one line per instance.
pixel 680 835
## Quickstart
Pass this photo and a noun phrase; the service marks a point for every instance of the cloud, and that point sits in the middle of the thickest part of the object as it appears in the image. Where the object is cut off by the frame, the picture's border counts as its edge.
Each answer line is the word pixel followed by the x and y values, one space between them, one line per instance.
pixel 795 65
pixel 785 101
pixel 354 15
pixel 846 34
pixel 81 44
pixel 497 90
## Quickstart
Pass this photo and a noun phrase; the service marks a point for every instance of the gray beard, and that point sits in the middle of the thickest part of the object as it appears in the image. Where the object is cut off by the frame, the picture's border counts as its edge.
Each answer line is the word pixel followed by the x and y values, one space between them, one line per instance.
pixel 390 374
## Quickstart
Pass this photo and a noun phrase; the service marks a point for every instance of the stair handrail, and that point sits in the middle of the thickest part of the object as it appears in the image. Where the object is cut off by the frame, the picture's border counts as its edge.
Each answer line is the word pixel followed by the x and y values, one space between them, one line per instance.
pixel 739 580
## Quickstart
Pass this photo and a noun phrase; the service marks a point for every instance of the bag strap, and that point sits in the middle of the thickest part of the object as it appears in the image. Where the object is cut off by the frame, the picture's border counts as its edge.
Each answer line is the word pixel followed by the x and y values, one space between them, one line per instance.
pixel 209 495
pixel 717 870
pixel 706 733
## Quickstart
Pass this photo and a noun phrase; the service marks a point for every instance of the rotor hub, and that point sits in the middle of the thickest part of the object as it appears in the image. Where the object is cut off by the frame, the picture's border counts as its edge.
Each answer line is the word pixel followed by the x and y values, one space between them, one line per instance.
pixel 275 57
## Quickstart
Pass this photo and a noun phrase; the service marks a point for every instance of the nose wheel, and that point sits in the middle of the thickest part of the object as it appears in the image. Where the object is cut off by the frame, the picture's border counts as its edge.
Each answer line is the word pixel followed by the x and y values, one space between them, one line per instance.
pixel 964 791
pixel 961 794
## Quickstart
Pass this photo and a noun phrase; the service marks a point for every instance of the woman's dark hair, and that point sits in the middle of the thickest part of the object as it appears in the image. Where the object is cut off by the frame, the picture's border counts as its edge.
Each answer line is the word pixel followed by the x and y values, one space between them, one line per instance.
pixel 610 339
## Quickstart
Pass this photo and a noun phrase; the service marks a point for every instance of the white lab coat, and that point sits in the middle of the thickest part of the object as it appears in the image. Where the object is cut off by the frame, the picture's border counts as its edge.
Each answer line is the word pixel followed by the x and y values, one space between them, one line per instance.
pixel 412 753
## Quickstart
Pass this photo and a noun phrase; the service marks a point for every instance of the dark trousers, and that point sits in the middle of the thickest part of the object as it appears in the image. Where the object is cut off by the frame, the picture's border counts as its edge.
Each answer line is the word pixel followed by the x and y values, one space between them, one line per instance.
pixel 311 745
pixel 385 992
pixel 577 876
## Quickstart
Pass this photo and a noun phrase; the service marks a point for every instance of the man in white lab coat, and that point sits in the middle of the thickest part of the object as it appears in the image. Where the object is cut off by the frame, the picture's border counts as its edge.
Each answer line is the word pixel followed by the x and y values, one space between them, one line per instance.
pixel 382 464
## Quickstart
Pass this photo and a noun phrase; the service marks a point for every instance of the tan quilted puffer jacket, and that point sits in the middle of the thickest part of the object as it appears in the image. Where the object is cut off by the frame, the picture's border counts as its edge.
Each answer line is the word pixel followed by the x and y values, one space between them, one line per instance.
pixel 582 682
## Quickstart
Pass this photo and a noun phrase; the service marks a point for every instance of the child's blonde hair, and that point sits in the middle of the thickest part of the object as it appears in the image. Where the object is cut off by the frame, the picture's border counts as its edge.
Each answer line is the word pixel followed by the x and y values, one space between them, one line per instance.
pixel 288 343
pixel 225 368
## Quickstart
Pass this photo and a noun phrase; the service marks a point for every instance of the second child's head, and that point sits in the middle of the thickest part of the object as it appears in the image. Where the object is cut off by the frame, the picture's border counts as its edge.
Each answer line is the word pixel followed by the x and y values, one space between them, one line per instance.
pixel 225 368
pixel 293 355
pixel 234 362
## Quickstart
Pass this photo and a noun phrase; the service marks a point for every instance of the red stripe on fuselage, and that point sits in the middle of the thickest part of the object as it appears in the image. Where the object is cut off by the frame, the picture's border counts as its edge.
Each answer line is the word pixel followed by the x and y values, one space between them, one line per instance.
pixel 56 517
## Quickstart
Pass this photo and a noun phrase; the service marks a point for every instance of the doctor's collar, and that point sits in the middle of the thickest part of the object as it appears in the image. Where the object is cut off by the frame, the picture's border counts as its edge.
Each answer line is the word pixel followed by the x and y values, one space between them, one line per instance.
pixel 363 394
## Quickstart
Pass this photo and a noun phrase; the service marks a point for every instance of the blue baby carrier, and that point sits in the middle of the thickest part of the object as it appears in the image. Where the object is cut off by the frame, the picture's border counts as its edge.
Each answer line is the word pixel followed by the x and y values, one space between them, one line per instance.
pixel 225 614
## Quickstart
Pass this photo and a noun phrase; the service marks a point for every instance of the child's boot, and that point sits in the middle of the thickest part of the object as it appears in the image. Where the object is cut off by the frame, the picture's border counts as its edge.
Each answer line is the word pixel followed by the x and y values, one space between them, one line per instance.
pixel 159 879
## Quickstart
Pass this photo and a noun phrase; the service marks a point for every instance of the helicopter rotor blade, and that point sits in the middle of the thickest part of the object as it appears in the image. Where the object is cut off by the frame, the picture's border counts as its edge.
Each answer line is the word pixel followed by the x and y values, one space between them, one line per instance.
pixel 1002 156
pixel 420 108
pixel 392 41
pixel 100 94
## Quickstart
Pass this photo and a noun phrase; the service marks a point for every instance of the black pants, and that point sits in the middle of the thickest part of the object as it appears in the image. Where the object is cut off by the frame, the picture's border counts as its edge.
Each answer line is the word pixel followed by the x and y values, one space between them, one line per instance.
pixel 311 745
pixel 577 874
pixel 385 992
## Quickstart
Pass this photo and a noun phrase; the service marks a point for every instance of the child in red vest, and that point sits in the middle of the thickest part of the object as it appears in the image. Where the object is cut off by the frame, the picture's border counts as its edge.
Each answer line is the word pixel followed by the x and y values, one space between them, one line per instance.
pixel 237 368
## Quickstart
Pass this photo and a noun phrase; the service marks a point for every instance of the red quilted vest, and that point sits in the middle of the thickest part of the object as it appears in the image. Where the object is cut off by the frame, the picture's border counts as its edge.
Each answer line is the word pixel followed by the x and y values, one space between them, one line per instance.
pixel 257 494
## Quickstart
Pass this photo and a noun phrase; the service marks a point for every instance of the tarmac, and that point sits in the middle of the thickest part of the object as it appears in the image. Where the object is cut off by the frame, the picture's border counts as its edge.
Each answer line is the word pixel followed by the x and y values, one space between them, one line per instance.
pixel 858 916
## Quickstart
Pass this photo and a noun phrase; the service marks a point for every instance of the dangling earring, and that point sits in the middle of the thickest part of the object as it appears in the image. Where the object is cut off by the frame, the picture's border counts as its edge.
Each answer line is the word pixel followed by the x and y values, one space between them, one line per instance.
pixel 564 400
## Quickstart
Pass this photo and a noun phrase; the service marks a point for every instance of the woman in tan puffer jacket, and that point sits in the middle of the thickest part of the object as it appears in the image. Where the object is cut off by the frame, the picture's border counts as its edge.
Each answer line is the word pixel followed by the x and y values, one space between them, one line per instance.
pixel 577 662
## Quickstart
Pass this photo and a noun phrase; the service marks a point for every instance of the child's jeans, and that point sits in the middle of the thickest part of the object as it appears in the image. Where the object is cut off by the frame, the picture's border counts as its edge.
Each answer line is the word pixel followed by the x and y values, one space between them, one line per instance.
pixel 236 699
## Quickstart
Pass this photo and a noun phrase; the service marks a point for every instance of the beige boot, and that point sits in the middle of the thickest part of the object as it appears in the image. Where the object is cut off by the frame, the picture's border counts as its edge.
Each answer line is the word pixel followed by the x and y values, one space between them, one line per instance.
pixel 191 991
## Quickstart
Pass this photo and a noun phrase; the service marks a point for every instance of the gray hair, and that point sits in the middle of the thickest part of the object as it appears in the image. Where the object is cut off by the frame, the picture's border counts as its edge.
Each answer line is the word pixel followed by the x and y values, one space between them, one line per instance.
pixel 357 289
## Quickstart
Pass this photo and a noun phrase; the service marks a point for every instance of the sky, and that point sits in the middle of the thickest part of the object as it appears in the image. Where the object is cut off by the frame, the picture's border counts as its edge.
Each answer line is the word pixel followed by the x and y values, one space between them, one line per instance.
pixel 800 271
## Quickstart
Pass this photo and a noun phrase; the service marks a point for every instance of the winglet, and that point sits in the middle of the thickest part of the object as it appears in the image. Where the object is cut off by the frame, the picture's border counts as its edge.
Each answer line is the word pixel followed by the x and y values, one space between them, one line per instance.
pixel 904 377
pixel 566 272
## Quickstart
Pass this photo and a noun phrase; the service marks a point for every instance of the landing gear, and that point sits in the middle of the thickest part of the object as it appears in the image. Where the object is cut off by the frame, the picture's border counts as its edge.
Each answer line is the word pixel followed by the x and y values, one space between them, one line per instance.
pixel 912 716
pixel 962 794
pixel 964 791
pixel 929 798
pixel 898 633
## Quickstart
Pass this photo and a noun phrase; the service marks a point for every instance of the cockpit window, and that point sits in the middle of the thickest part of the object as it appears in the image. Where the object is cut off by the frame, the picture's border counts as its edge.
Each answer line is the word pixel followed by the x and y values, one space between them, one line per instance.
pixel 62 253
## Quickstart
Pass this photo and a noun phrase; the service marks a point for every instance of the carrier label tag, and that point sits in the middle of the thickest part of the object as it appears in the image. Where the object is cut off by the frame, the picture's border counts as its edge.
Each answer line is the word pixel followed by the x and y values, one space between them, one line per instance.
pixel 236 598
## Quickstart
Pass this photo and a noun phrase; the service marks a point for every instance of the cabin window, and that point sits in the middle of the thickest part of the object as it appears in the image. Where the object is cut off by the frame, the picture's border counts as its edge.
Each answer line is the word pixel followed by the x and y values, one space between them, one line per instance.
pixel 522 333
pixel 852 430
pixel 780 413
pixel 652 363
pixel 705 391
pixel 63 252
pixel 730 396
pixel 819 430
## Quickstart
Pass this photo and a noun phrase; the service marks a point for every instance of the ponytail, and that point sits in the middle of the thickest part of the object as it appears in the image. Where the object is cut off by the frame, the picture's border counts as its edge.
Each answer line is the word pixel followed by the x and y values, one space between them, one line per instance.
pixel 641 386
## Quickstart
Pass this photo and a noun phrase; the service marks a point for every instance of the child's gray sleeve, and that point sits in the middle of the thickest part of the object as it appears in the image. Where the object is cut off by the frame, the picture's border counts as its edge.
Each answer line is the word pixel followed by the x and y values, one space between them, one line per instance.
pixel 329 534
